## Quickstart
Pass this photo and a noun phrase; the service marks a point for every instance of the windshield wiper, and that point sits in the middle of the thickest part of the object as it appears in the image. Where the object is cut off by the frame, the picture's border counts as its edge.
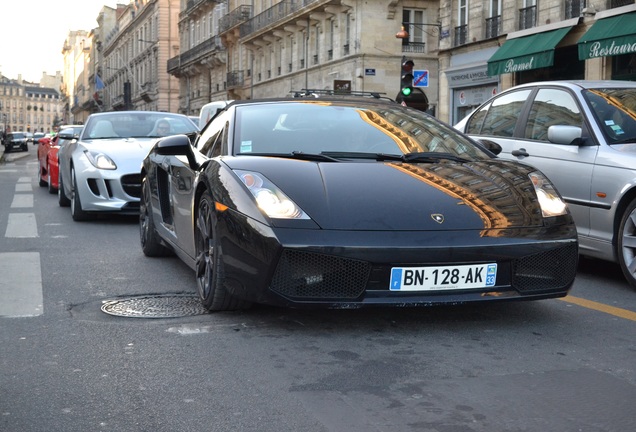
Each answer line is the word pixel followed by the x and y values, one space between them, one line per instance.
pixel 296 155
pixel 431 157
pixel 423 157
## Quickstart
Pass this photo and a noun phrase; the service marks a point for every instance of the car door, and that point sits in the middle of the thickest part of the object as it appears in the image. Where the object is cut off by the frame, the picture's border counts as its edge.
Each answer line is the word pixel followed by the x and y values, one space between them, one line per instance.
pixel 182 180
pixel 568 166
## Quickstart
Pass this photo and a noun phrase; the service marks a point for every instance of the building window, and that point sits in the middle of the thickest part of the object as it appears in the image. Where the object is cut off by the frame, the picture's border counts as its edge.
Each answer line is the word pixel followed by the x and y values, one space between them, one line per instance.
pixel 528 14
pixel 414 22
pixel 462 20
pixel 574 8
pixel 493 22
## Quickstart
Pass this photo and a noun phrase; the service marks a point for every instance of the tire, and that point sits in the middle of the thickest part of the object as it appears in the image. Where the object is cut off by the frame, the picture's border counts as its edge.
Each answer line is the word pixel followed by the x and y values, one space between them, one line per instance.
pixel 51 189
pixel 209 265
pixel 77 213
pixel 40 181
pixel 627 244
pixel 150 241
pixel 62 199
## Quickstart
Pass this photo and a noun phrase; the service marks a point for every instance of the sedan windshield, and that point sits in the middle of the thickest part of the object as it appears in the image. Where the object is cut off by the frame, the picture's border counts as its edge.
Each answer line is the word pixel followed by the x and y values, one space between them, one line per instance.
pixel 136 125
pixel 346 130
pixel 615 112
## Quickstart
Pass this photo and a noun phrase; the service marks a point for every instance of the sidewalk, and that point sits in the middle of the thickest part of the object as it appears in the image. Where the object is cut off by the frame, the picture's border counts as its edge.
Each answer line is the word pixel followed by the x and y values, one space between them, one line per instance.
pixel 16 155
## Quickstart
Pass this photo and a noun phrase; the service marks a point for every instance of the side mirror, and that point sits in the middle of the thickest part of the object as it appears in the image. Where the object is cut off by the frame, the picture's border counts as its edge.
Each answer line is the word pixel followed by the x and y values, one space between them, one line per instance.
pixel 491 146
pixel 566 135
pixel 177 145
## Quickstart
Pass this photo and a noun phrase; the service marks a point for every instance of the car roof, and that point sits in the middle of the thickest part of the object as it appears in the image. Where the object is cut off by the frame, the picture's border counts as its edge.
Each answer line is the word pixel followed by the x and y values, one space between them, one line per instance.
pixel 582 84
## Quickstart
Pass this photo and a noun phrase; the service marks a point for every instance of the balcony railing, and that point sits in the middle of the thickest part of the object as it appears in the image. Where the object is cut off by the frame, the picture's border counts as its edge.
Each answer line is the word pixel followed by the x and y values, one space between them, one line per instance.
pixel 279 12
pixel 235 79
pixel 611 4
pixel 574 8
pixel 527 17
pixel 493 26
pixel 208 46
pixel 461 33
pixel 414 47
pixel 234 18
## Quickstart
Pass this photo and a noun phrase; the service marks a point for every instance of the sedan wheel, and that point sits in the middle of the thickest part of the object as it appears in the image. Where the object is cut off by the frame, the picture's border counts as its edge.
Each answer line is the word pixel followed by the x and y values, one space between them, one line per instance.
pixel 627 244
pixel 150 241
pixel 76 205
pixel 209 265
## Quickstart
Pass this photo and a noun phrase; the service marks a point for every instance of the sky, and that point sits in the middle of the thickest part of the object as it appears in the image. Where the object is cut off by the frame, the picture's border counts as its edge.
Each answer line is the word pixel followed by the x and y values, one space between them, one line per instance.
pixel 32 33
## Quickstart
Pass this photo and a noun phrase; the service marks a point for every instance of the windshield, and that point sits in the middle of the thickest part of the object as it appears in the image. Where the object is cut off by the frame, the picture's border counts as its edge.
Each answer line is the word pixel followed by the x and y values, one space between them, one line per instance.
pixel 17 135
pixel 615 112
pixel 344 129
pixel 136 125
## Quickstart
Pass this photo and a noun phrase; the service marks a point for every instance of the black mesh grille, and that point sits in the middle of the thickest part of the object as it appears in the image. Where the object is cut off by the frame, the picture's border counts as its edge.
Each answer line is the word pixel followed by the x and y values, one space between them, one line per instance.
pixel 131 183
pixel 306 275
pixel 546 270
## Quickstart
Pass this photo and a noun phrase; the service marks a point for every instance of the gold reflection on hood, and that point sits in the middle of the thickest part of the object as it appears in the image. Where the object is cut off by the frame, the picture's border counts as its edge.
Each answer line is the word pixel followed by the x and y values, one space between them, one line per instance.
pixel 475 191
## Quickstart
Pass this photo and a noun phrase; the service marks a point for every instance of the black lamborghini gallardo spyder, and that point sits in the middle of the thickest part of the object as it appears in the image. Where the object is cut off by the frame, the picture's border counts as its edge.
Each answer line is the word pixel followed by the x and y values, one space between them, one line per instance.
pixel 346 202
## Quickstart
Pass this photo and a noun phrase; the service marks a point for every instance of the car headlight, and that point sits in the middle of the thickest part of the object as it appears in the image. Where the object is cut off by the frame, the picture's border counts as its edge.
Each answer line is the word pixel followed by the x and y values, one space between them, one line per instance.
pixel 269 198
pixel 549 200
pixel 100 160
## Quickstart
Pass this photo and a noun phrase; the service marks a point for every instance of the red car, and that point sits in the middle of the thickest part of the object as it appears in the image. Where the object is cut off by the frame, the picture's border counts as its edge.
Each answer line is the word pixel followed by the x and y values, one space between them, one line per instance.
pixel 47 155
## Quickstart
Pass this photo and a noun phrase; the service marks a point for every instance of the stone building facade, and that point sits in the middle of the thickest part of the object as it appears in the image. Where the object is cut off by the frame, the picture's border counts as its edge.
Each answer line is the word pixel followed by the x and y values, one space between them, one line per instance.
pixel 178 55
pixel 29 107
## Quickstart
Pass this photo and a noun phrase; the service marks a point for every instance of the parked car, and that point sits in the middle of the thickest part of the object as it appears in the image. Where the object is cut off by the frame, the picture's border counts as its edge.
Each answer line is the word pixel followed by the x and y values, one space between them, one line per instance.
pixel 29 137
pixel 37 136
pixel 99 172
pixel 15 140
pixel 209 110
pixel 47 155
pixel 582 135
pixel 347 202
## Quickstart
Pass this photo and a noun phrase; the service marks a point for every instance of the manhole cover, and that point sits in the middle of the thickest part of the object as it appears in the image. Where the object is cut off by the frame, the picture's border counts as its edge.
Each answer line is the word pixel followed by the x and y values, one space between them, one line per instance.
pixel 155 306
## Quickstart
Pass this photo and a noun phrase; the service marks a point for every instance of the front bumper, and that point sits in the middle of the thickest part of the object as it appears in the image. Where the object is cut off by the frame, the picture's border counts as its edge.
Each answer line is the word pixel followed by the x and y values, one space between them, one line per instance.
pixel 344 269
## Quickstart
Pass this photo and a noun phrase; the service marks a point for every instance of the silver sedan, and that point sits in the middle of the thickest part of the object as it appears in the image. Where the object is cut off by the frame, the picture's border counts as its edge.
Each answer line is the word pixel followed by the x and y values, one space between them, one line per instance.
pixel 582 135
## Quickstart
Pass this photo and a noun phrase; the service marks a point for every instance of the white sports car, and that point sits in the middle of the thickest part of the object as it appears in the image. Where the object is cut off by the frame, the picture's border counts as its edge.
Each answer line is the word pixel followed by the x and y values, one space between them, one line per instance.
pixel 100 172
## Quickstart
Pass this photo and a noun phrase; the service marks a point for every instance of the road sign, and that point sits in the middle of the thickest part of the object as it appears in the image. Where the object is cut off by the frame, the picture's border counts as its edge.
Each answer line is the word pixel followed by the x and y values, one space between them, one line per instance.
pixel 420 78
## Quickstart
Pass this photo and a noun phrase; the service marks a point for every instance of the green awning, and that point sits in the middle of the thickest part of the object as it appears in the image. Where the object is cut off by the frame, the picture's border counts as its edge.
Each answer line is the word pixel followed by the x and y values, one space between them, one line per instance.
pixel 609 36
pixel 527 52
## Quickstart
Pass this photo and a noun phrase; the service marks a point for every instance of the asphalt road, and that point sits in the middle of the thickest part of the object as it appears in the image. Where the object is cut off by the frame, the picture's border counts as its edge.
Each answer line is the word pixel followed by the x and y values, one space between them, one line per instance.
pixel 65 365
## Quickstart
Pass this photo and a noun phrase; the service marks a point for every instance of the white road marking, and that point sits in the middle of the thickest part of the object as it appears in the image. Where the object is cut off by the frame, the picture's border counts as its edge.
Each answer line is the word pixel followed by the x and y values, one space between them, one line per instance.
pixel 22 201
pixel 24 187
pixel 24 180
pixel 21 284
pixel 21 225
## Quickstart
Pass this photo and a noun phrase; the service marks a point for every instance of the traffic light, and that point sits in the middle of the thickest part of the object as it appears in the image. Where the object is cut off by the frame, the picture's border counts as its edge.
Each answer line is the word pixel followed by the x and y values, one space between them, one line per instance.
pixel 406 77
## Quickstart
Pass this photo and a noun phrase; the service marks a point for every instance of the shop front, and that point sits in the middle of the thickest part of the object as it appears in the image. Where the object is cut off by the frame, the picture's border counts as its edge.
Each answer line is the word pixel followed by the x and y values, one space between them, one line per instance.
pixel 612 35
pixel 469 83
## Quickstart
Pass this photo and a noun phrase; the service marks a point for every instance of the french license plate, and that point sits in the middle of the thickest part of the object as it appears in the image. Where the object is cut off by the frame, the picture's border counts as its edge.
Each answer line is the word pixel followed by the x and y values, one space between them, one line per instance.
pixel 443 278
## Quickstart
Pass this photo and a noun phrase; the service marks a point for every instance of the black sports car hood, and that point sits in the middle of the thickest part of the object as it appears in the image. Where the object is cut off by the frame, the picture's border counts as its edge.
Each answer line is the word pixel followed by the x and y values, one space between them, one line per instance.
pixel 369 195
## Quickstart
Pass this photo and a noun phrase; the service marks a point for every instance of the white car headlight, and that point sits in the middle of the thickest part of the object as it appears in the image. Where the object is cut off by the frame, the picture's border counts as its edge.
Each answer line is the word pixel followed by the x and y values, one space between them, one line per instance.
pixel 100 160
pixel 270 199
pixel 549 200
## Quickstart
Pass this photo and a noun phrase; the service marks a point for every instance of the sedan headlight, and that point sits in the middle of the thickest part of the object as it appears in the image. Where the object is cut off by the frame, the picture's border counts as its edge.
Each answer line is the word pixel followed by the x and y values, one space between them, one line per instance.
pixel 100 160
pixel 549 200
pixel 270 198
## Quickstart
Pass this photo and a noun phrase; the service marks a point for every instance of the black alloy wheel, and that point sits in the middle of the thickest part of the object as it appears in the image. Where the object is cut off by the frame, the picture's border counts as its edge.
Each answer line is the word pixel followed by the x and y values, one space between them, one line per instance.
pixel 150 241
pixel 209 265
